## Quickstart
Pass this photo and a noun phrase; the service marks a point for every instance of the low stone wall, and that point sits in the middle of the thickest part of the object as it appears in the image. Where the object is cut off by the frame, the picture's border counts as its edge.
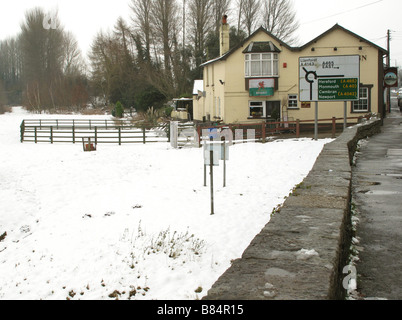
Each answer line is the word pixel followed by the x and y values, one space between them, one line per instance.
pixel 301 252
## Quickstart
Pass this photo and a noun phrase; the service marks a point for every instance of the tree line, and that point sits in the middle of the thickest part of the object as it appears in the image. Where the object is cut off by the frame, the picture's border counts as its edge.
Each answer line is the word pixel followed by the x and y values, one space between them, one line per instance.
pixel 143 62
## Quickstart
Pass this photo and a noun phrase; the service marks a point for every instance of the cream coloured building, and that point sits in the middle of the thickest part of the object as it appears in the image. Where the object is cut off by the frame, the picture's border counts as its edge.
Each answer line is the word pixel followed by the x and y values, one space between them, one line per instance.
pixel 232 82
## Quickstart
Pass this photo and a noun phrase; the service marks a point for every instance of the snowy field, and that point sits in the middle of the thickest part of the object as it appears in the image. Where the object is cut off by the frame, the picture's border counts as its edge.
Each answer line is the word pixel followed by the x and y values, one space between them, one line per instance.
pixel 132 221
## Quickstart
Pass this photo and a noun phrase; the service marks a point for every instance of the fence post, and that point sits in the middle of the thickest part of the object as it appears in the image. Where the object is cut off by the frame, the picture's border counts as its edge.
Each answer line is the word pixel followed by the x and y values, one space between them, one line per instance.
pixel 119 136
pixel 73 133
pixel 297 128
pixel 96 135
pixel 199 135
pixel 51 135
pixel 143 135
pixel 333 127
pixel 263 133
pixel 36 134
pixel 22 131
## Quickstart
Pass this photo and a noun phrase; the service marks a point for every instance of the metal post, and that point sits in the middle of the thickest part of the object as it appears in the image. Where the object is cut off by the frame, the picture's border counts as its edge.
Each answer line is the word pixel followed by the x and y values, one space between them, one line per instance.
pixel 345 115
pixel 224 162
pixel 316 122
pixel 205 175
pixel 211 169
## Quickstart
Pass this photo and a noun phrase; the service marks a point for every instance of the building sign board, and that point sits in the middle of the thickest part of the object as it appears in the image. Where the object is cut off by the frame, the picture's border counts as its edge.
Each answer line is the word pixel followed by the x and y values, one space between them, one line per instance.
pixel 391 77
pixel 261 87
pixel 330 78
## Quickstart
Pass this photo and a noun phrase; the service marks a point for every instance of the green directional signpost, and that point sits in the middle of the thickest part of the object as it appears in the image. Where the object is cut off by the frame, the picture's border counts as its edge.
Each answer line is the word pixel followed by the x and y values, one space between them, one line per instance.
pixel 338 89
pixel 329 78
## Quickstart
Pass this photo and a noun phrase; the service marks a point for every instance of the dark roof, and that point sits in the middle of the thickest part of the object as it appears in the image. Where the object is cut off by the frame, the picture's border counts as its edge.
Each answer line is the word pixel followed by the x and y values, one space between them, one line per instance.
pixel 261 46
pixel 240 45
pixel 295 49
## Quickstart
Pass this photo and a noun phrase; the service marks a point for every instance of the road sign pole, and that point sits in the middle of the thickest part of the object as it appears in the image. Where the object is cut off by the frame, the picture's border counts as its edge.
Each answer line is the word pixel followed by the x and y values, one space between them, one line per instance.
pixel 345 115
pixel 205 175
pixel 224 163
pixel 316 122
pixel 211 168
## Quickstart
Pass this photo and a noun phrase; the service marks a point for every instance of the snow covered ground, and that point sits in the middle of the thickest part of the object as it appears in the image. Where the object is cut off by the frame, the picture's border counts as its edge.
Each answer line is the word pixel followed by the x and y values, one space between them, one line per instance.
pixel 132 221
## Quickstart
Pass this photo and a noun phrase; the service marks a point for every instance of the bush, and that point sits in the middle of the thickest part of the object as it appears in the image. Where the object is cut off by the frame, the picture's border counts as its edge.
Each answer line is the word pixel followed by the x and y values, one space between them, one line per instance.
pixel 168 111
pixel 118 111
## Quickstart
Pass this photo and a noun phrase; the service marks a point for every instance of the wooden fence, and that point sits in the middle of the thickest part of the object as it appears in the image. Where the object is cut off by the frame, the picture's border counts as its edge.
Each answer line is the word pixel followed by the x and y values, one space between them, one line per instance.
pixel 263 129
pixel 99 131
pixel 124 131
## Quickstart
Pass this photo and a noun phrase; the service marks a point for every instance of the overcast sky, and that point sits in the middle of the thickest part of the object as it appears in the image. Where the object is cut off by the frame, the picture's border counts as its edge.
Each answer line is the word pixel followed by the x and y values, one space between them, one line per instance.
pixel 368 18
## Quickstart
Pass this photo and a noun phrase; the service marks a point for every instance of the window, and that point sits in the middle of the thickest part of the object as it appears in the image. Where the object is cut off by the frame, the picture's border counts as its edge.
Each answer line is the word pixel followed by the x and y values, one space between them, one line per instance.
pixel 257 109
pixel 292 101
pixel 262 64
pixel 363 104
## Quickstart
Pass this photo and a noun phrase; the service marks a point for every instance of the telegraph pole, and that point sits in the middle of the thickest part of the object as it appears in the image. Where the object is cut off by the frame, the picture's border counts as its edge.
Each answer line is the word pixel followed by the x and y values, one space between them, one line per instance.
pixel 389 65
pixel 389 48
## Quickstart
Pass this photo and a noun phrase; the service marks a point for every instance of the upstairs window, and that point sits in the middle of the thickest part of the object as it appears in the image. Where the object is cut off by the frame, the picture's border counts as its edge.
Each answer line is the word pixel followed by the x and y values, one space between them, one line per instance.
pixel 262 65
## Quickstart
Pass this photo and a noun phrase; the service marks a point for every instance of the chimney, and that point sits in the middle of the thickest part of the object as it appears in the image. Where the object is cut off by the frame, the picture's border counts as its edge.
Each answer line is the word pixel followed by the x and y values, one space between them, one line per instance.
pixel 224 36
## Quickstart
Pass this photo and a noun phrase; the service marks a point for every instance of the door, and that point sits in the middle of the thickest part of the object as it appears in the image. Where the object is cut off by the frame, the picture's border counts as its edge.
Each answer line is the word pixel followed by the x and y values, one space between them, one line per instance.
pixel 273 110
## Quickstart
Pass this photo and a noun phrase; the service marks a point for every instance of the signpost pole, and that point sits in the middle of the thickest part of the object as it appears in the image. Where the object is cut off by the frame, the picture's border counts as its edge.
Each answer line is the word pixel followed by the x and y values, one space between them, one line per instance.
pixel 224 162
pixel 211 168
pixel 205 175
pixel 345 115
pixel 316 122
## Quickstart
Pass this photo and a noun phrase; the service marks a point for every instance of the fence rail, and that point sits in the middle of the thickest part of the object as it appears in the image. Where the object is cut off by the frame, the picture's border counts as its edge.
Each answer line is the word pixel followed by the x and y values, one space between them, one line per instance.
pixel 263 129
pixel 99 131
pixel 124 131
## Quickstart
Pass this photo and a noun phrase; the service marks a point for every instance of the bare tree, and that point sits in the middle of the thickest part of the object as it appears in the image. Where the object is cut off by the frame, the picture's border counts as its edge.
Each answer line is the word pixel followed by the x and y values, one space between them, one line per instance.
pixel 165 27
pixel 10 69
pixel 219 8
pixel 250 14
pixel 42 52
pixel 143 24
pixel 200 24
pixel 73 63
pixel 3 97
pixel 280 19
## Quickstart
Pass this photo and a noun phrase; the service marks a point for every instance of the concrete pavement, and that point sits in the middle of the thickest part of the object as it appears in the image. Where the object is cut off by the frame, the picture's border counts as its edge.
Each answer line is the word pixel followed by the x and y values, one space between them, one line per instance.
pixel 377 194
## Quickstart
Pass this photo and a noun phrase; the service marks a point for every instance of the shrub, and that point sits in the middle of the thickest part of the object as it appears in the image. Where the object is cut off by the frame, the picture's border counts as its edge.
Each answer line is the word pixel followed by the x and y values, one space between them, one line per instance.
pixel 118 110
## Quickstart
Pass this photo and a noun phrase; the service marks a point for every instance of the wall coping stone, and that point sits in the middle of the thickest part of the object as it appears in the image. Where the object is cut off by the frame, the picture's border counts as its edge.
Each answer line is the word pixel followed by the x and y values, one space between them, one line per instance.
pixel 301 252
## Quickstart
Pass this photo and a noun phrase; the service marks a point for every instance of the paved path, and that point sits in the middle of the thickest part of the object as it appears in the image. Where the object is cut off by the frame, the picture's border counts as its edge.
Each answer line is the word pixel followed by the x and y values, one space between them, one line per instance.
pixel 377 193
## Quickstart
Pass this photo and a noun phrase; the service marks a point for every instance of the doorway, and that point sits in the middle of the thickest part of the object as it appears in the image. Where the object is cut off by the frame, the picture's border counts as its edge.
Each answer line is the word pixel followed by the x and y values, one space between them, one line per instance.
pixel 273 110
